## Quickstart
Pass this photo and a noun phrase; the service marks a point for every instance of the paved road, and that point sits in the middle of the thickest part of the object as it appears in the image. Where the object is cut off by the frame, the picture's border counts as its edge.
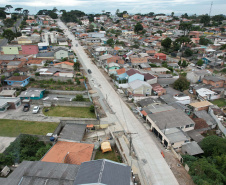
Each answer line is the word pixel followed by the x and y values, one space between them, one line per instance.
pixel 155 168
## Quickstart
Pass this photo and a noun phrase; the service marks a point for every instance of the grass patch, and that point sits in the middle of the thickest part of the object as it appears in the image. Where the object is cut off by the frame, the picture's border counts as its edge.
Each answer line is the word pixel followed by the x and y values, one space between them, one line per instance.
pixel 77 112
pixel 107 155
pixel 219 102
pixel 12 128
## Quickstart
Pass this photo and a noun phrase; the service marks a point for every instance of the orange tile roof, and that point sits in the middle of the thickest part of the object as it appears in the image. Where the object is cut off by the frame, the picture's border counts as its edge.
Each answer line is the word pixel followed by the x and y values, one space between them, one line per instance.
pixel 35 61
pixel 121 71
pixel 67 63
pixel 144 113
pixel 69 152
pixel 117 48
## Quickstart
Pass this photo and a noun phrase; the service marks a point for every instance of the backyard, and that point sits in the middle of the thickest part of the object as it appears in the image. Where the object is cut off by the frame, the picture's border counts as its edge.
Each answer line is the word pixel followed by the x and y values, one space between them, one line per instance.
pixel 108 155
pixel 12 128
pixel 77 112
pixel 220 102
pixel 57 85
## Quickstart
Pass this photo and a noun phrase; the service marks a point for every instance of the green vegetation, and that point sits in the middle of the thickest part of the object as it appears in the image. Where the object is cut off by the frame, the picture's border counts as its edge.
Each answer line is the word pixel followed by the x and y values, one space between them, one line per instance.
pixel 72 16
pixel 9 35
pixel 51 13
pixel 79 97
pixel 138 28
pixel 8 22
pixel 107 155
pixel 200 62
pixel 12 128
pixel 204 41
pixel 166 43
pixel 219 102
pixel 77 112
pixel 92 109
pixel 188 52
pixel 211 168
pixel 26 147
pixel 181 84
pixel 57 85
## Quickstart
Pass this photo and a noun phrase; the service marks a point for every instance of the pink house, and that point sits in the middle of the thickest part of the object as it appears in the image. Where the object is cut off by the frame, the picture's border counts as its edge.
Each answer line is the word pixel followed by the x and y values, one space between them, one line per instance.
pixel 160 56
pixel 29 49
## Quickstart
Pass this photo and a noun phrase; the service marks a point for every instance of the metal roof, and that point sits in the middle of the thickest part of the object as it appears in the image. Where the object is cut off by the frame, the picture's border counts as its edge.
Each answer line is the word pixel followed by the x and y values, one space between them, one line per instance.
pixel 103 171
pixel 42 173
pixel 191 148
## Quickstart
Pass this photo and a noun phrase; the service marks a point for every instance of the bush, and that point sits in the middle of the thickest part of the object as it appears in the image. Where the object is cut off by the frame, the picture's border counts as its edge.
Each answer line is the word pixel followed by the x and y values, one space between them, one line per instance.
pixel 79 97
pixel 91 108
pixel 181 84
pixel 37 74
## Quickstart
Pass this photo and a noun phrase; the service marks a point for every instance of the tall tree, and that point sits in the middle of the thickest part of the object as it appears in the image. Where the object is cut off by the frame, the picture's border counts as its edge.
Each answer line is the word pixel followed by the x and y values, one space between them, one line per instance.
pixel 26 12
pixel 18 10
pixel 186 27
pixel 181 84
pixel 8 34
pixel 138 27
pixel 172 14
pixel 166 43
pixel 8 7
pixel 205 19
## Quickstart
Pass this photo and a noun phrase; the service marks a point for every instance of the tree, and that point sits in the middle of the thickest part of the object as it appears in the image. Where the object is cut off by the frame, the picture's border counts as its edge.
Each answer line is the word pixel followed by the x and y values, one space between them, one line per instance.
pixel 26 12
pixel 2 13
pixel 18 10
pixel 181 84
pixel 9 35
pixel 151 14
pixel 222 29
pixel 179 63
pixel 188 52
pixel 218 18
pixel 204 41
pixel 213 145
pixel 166 43
pixel 8 7
pixel 79 97
pixel 91 108
pixel 138 27
pixel 205 19
pixel 172 14
pixel 8 22
pixel 184 63
pixel 200 62
pixel 186 27
pixel 77 66
pixel 110 42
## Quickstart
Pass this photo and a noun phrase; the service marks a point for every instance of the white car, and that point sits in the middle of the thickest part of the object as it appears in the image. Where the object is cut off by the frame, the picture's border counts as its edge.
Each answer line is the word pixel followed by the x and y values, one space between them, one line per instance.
pixel 35 109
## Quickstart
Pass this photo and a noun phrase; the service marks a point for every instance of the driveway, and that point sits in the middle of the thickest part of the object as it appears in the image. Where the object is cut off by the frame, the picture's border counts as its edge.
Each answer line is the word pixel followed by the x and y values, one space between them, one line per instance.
pixel 153 165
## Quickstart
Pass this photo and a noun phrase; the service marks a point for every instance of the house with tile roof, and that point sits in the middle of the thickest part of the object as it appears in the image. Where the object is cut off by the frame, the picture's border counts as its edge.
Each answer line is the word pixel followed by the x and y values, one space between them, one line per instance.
pixel 30 49
pixel 18 81
pixel 69 153
pixel 36 62
pixel 121 74
pixel 65 65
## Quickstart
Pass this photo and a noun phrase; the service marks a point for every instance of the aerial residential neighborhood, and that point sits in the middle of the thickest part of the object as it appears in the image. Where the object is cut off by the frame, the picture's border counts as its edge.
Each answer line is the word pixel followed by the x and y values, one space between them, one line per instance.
pixel 113 98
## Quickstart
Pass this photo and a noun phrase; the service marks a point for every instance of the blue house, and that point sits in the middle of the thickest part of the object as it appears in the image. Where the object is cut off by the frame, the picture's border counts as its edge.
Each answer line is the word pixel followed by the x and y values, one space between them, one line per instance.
pixel 121 74
pixel 32 94
pixel 18 81
pixel 134 75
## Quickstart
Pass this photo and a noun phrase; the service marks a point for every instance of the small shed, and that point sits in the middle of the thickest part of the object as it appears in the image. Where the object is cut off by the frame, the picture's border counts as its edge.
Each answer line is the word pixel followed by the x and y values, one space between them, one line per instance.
pixel 106 147
pixel 5 171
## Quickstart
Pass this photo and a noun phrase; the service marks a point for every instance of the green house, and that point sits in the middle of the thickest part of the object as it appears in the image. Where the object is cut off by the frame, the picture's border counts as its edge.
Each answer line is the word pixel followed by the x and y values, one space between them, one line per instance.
pixel 11 49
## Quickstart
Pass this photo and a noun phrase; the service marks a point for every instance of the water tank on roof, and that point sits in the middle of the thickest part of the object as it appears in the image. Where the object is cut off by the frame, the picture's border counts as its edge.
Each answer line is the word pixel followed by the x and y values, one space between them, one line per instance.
pixel 52 138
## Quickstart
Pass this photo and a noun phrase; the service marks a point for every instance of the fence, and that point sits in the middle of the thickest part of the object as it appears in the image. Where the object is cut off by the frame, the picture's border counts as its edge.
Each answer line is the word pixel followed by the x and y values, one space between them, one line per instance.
pixel 62 103
pixel 178 156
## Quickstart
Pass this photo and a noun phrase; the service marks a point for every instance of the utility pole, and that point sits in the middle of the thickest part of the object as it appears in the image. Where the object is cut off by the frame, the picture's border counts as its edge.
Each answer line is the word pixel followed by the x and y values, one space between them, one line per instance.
pixel 130 142
pixel 210 8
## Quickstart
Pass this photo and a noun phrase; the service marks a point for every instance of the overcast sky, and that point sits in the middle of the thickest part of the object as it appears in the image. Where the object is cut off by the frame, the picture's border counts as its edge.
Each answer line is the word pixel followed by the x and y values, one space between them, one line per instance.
pixel 132 6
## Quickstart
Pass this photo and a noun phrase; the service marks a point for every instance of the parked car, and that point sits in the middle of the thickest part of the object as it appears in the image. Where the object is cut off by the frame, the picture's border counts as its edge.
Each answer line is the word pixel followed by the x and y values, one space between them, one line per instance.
pixel 26 107
pixel 89 71
pixel 35 109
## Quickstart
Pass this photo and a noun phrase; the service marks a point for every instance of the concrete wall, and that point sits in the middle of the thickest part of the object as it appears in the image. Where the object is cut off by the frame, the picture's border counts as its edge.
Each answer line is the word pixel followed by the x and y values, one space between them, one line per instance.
pixel 55 78
pixel 62 103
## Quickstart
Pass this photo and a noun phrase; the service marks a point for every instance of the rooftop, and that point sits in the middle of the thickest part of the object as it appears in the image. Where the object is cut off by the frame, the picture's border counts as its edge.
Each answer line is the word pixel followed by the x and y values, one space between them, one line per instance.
pixel 103 172
pixel 171 119
pixel 148 101
pixel 40 173
pixel 31 92
pixel 200 104
pixel 191 148
pixel 69 152
pixel 17 78
pixel 195 135
pixel 205 116
pixel 175 135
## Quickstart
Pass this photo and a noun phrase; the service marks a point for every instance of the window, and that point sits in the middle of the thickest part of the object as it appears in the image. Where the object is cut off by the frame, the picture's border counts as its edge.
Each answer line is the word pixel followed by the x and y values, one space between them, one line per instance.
pixel 192 125
pixel 187 126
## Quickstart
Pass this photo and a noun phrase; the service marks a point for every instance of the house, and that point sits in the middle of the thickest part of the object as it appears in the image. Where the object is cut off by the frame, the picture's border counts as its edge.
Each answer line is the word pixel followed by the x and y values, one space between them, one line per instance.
pixel 11 49
pixel 65 65
pixel 214 81
pixel 191 148
pixel 103 59
pixel 18 81
pixel 148 101
pixel 9 103
pixel 112 68
pixel 115 59
pixel 43 46
pixel 61 53
pixel 170 127
pixel 47 55
pixel 32 94
pixel 200 125
pixel 138 59
pixel 206 117
pixel 151 52
pixel 160 70
pixel 198 106
pixel 30 49
pixel 8 93
pixel 206 94
pixel 69 153
pixel 134 75
pixel 160 56
pixel 15 64
pixel 24 39
pixel 111 173
pixel 31 21
pixel 36 62
pixel 158 89
pixel 37 172
pixel 121 74
pixel 138 87
pixel 195 76
pixel 150 78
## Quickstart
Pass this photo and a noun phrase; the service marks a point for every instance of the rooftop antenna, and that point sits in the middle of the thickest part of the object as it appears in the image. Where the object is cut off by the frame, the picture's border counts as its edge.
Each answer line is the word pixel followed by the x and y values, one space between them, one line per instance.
pixel 211 7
